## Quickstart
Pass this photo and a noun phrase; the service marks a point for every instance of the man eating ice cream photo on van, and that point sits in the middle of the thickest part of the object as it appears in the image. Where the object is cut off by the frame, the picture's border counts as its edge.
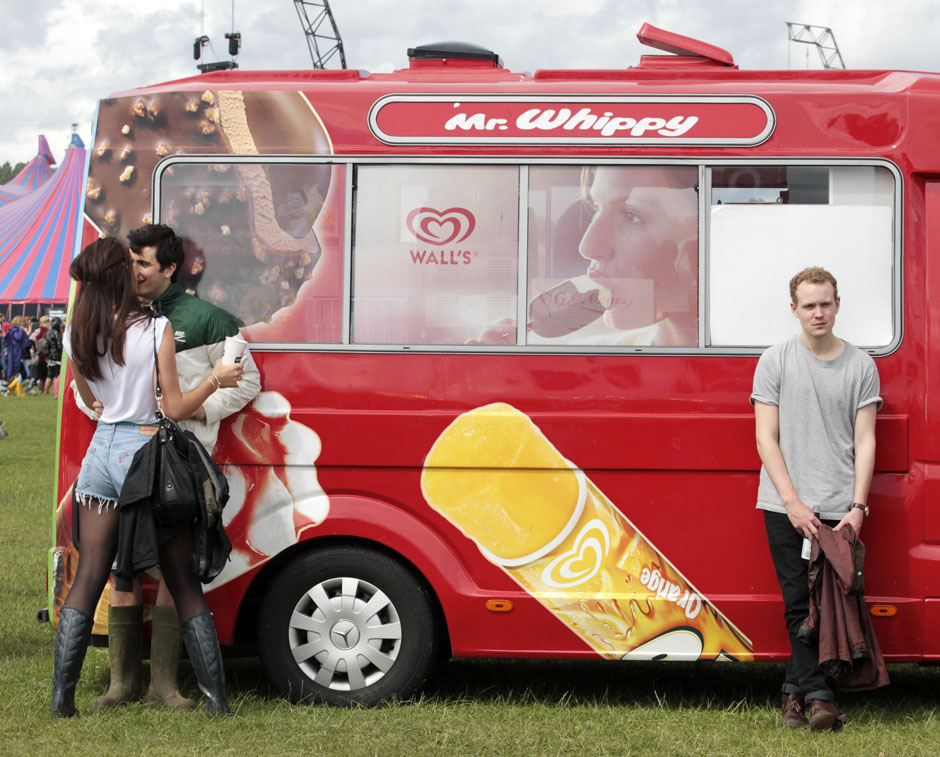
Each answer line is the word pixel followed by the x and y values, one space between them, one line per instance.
pixel 638 251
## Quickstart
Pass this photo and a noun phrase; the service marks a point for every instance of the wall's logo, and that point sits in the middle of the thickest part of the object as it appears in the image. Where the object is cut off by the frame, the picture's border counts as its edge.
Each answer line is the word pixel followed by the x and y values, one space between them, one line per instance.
pixel 440 227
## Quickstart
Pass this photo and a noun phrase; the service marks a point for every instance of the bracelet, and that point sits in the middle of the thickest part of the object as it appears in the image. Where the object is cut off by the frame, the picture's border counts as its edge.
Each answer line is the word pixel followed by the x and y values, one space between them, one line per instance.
pixel 217 385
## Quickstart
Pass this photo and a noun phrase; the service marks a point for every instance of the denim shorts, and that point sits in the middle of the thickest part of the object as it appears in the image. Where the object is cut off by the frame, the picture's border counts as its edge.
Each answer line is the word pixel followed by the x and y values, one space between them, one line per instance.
pixel 107 461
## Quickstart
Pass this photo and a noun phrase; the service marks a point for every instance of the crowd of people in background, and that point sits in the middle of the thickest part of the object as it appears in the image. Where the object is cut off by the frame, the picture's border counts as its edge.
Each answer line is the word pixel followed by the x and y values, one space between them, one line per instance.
pixel 30 354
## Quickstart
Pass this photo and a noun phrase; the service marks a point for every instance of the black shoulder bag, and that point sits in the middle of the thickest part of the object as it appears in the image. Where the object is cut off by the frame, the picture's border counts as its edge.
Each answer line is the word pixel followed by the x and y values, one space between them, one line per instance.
pixel 188 486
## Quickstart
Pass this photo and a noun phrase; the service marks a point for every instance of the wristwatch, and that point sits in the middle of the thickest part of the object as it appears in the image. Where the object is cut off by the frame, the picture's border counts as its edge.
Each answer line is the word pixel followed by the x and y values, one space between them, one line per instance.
pixel 860 506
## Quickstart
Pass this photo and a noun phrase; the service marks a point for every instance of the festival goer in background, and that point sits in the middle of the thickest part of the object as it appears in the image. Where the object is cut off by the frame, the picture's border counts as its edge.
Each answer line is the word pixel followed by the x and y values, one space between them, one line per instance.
pixel 54 353
pixel 111 341
pixel 17 345
pixel 40 369
pixel 29 360
pixel 4 327
pixel 200 329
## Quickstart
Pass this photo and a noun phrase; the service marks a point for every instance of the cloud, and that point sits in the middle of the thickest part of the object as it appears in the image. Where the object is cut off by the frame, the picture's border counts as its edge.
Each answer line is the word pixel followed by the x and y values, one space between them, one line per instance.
pixel 80 52
pixel 25 30
pixel 59 58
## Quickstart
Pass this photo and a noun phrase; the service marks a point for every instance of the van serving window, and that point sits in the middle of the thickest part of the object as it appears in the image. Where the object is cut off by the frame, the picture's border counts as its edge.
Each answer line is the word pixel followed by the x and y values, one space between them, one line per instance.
pixel 768 222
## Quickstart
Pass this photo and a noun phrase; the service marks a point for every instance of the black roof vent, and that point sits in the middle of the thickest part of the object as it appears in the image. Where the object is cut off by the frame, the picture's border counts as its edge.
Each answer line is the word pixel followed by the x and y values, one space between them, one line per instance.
pixel 464 51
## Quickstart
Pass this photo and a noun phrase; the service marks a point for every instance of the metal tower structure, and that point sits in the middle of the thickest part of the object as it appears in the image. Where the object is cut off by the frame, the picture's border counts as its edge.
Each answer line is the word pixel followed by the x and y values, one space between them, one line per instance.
pixel 820 36
pixel 322 34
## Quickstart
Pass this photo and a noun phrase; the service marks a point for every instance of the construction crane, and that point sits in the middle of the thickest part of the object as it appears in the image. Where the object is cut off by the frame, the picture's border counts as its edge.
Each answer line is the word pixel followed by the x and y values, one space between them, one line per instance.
pixel 820 36
pixel 323 38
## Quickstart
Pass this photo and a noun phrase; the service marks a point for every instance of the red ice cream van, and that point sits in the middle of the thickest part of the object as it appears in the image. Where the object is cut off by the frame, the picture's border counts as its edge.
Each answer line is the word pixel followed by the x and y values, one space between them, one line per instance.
pixel 507 326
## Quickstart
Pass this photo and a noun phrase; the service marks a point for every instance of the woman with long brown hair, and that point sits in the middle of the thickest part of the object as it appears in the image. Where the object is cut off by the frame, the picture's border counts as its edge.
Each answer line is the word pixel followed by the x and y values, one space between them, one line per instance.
pixel 111 341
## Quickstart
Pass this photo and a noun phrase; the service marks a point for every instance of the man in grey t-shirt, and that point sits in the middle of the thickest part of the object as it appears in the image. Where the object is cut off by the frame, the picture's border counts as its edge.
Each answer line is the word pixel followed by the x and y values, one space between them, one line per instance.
pixel 815 398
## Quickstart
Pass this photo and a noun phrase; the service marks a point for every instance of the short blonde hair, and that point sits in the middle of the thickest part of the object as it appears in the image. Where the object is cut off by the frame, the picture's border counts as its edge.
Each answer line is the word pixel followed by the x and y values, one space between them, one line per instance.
pixel 814 275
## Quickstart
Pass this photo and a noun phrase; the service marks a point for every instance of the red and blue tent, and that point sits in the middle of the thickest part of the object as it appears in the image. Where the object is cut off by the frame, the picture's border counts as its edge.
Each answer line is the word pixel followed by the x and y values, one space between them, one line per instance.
pixel 34 174
pixel 38 235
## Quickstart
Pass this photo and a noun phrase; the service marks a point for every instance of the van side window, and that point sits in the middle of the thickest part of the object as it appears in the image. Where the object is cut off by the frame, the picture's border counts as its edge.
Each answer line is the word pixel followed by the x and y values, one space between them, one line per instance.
pixel 255 235
pixel 613 255
pixel 435 252
pixel 616 255
pixel 768 222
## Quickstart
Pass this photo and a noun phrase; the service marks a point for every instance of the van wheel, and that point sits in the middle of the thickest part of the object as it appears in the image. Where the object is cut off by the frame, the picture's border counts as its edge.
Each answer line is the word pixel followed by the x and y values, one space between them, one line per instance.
pixel 347 626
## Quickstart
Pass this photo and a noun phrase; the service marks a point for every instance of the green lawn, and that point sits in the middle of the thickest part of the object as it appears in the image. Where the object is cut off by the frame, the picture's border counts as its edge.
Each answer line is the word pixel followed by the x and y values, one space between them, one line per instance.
pixel 472 707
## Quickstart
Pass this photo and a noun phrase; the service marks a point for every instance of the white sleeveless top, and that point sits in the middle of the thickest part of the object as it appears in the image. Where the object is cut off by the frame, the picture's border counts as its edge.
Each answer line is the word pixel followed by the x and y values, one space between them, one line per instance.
pixel 127 391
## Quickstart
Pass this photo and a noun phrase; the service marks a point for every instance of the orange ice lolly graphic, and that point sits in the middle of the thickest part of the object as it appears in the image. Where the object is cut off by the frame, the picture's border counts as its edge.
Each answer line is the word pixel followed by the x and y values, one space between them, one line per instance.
pixel 497 478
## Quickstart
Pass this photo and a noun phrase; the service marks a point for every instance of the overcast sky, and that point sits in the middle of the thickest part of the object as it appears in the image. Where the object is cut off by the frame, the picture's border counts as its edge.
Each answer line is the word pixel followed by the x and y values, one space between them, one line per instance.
pixel 58 57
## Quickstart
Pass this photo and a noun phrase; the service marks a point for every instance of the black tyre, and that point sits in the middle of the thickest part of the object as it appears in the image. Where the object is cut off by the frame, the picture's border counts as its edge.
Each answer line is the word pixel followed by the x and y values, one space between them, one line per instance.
pixel 347 626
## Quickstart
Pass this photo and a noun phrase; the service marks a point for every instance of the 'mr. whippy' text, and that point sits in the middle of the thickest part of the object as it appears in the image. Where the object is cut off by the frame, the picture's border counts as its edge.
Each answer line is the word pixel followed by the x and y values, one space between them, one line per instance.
pixel 607 124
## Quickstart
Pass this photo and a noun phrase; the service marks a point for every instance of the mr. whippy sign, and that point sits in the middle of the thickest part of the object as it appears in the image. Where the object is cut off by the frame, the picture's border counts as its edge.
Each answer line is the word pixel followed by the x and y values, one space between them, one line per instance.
pixel 582 120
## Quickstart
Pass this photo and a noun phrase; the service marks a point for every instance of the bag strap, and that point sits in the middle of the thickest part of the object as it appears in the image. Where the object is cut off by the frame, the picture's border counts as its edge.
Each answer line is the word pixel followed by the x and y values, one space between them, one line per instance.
pixel 158 391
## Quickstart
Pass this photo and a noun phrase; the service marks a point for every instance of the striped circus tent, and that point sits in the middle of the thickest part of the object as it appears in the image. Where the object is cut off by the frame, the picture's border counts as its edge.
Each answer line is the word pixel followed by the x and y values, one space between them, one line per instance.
pixel 34 174
pixel 38 235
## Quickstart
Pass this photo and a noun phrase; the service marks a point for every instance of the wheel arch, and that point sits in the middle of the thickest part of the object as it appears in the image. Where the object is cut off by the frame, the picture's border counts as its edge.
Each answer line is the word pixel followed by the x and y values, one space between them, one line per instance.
pixel 390 530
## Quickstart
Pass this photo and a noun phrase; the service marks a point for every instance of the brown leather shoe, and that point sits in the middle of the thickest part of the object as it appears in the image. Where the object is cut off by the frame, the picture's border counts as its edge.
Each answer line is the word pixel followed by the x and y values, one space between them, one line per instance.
pixel 824 716
pixel 793 716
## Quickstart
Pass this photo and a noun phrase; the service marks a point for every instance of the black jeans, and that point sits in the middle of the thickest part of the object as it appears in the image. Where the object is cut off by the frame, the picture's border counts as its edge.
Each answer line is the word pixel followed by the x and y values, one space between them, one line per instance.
pixel 786 543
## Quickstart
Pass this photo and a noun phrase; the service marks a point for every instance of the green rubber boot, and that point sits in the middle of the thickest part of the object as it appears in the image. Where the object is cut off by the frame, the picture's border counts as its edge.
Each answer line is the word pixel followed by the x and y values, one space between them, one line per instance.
pixel 165 643
pixel 125 645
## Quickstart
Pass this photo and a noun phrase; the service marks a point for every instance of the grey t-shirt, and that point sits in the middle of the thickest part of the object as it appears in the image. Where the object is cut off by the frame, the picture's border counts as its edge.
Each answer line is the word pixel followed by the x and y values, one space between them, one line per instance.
pixel 817 401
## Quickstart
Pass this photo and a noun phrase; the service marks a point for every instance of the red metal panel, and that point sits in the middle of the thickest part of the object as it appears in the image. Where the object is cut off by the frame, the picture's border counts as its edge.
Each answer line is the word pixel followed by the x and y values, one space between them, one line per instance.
pixel 932 629
pixel 932 286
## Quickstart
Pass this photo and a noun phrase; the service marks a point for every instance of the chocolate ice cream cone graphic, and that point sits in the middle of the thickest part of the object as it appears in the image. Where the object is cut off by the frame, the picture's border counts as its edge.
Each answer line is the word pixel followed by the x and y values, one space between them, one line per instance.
pixel 497 478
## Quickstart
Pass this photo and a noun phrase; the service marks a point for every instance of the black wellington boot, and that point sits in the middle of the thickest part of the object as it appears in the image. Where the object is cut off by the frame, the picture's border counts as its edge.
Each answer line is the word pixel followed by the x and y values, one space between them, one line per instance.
pixel 202 645
pixel 71 643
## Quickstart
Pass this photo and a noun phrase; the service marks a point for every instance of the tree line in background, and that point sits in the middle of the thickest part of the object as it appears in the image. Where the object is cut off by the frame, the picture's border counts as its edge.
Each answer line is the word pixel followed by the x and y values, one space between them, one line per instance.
pixel 7 171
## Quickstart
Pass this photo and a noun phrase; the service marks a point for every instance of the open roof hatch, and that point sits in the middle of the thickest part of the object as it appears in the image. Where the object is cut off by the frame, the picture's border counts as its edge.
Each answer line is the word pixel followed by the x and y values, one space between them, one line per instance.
pixel 687 51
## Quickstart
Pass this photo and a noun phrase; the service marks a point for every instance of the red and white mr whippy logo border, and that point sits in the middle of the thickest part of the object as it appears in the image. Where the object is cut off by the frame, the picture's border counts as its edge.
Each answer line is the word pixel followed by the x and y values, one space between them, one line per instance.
pixel 742 120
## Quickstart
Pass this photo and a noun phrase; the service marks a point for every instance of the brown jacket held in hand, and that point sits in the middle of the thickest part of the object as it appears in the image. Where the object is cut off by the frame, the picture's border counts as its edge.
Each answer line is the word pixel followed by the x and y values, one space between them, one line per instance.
pixel 838 616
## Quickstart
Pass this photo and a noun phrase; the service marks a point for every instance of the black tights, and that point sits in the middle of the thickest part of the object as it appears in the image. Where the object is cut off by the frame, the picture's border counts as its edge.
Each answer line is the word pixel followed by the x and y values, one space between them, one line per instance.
pixel 98 533
pixel 176 565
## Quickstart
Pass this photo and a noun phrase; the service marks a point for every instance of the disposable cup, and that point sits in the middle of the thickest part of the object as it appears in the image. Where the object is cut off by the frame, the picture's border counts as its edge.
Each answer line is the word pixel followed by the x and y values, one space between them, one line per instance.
pixel 234 349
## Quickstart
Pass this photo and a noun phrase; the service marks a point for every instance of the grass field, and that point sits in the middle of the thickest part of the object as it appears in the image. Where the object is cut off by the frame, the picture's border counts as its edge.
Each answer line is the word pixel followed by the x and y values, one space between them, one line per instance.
pixel 471 707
